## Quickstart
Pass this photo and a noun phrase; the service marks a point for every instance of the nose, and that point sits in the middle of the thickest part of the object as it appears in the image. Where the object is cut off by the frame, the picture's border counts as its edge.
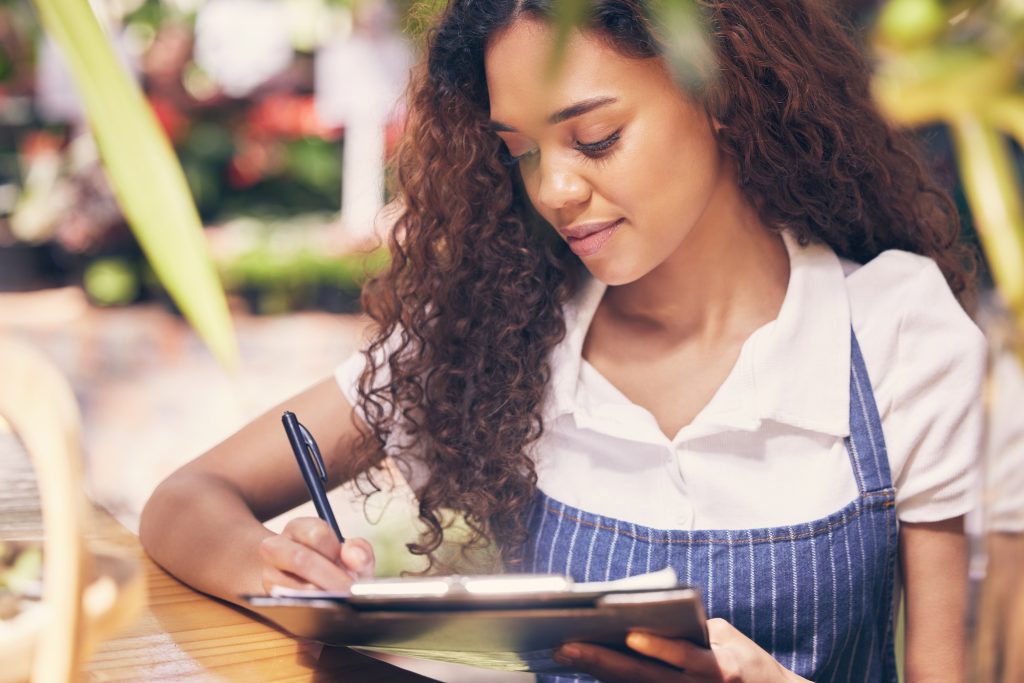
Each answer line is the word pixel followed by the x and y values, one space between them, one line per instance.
pixel 560 186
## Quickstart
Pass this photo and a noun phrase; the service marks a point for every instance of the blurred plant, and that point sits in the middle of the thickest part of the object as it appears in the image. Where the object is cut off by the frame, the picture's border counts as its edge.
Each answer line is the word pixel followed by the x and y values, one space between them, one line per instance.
pixel 283 266
pixel 419 15
pixel 143 171
pixel 111 281
pixel 683 31
pixel 961 63
pixel 282 136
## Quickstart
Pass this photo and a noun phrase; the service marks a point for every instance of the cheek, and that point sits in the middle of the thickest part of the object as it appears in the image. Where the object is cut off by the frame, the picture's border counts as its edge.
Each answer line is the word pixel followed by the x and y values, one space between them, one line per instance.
pixel 683 172
pixel 686 150
pixel 669 164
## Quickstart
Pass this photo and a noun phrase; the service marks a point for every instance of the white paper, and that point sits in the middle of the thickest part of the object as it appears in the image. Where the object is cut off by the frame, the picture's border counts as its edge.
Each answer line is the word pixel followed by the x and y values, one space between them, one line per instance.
pixel 665 578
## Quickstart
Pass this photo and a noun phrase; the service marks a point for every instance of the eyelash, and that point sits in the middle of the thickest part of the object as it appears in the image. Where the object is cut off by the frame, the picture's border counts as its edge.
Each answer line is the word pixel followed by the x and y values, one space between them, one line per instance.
pixel 592 150
pixel 598 148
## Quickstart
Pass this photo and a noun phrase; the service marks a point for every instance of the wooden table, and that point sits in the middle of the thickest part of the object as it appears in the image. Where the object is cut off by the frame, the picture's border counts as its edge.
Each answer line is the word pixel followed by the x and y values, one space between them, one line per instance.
pixel 183 635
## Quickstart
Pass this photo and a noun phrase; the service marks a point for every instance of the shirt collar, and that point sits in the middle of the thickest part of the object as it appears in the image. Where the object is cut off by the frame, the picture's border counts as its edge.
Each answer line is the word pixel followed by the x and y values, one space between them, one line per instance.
pixel 794 370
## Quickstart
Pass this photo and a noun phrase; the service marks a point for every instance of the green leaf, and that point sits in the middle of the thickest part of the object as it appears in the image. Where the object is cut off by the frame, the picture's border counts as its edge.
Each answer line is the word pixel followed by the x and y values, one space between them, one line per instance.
pixel 685 34
pixel 569 15
pixel 993 191
pixel 1007 114
pixel 144 173
pixel 909 23
pixel 679 24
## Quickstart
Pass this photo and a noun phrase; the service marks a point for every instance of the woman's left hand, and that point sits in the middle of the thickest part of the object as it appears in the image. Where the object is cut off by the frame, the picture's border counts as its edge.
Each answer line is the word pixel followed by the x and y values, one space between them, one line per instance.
pixel 733 658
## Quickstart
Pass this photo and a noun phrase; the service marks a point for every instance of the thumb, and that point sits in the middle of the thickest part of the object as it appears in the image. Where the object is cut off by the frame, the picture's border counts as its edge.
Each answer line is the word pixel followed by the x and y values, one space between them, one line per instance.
pixel 357 556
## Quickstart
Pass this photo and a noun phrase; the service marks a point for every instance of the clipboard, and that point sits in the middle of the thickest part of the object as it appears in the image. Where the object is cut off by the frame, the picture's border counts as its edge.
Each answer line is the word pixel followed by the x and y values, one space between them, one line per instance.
pixel 489 620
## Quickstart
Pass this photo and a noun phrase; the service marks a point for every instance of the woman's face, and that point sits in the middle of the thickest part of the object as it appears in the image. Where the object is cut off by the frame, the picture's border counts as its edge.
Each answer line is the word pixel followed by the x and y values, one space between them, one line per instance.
pixel 612 153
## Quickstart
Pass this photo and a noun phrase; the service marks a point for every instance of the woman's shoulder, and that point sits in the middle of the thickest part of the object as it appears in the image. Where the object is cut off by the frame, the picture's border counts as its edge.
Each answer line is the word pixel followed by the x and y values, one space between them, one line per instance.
pixel 906 291
pixel 894 268
pixel 926 358
pixel 925 355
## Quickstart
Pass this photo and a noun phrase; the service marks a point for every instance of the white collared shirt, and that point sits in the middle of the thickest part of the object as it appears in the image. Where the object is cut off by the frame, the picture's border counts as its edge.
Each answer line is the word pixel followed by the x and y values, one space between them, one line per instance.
pixel 768 448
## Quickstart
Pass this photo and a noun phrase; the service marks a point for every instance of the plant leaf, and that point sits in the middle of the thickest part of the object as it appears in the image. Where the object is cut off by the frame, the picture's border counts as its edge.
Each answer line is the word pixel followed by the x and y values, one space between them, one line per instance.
pixel 143 172
pixel 993 191
pixel 569 15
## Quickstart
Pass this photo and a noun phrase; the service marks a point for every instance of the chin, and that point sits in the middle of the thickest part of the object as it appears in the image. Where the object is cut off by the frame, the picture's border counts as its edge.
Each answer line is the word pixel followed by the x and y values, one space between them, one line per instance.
pixel 614 273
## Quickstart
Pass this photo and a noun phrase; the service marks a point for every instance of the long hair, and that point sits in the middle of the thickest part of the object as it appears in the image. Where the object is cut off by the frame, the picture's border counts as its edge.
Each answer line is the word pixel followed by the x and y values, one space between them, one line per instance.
pixel 471 306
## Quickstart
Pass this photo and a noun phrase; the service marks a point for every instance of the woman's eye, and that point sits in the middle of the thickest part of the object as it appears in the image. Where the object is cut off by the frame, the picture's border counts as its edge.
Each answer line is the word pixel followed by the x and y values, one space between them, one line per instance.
pixel 590 149
pixel 599 147
pixel 509 159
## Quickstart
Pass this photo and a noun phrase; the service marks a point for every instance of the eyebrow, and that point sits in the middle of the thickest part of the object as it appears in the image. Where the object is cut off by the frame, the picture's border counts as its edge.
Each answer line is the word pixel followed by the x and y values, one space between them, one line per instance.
pixel 570 112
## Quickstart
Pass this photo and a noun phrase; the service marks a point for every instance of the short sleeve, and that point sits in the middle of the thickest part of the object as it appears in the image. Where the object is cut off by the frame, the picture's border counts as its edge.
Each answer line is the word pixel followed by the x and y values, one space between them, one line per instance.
pixel 347 376
pixel 399 446
pixel 937 401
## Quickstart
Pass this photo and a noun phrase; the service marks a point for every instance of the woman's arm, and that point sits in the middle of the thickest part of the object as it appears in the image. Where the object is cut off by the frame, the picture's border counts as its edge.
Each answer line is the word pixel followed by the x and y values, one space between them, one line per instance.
pixel 204 522
pixel 934 565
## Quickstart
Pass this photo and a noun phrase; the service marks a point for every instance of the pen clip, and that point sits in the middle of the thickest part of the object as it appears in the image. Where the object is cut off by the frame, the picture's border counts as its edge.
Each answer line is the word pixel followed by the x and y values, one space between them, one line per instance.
pixel 313 450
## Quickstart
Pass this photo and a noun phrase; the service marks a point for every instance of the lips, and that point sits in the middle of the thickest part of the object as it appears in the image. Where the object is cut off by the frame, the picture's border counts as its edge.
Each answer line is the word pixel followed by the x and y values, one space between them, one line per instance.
pixel 588 239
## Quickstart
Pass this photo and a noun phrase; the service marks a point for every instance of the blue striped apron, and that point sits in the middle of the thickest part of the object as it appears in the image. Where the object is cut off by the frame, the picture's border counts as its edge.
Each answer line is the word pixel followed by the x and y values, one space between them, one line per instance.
pixel 818 595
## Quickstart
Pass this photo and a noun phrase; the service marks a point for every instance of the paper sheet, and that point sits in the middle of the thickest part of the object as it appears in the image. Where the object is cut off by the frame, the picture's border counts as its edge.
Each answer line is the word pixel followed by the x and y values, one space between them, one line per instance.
pixel 664 578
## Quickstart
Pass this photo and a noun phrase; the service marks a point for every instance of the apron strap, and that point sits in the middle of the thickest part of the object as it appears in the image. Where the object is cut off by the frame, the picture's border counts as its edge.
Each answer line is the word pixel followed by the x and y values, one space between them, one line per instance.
pixel 866 443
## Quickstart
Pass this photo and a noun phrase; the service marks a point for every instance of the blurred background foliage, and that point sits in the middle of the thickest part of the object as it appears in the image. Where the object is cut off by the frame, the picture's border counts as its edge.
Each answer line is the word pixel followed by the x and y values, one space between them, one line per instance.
pixel 136 158
pixel 960 64
pixel 264 170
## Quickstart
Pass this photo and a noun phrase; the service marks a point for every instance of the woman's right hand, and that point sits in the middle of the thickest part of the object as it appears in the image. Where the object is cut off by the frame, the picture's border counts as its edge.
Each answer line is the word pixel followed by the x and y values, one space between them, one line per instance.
pixel 307 554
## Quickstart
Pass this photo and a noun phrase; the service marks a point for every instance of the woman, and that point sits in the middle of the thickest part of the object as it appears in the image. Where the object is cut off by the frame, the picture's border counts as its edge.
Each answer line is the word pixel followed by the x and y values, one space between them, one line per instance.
pixel 630 325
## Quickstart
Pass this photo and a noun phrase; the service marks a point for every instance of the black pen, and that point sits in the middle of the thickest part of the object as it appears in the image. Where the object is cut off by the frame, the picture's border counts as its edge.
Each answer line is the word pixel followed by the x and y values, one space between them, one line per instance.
pixel 311 463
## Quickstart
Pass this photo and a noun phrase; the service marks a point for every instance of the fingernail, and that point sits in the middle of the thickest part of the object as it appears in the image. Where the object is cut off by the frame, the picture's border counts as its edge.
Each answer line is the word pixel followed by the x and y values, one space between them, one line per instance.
pixel 637 641
pixel 358 555
pixel 569 652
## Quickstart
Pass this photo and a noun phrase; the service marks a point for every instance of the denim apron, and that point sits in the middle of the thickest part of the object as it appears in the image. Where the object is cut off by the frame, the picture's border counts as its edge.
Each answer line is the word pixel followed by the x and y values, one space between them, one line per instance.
pixel 818 596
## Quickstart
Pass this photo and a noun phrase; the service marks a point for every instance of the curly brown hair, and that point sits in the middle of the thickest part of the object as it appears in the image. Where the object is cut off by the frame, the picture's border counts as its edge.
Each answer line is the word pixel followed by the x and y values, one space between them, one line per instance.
pixel 471 306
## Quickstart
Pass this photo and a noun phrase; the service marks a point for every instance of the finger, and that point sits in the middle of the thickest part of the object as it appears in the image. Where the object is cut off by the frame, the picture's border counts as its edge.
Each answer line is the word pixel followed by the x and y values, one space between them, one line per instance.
pixel 720 630
pixel 610 666
pixel 679 653
pixel 274 577
pixel 284 554
pixel 357 556
pixel 315 533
